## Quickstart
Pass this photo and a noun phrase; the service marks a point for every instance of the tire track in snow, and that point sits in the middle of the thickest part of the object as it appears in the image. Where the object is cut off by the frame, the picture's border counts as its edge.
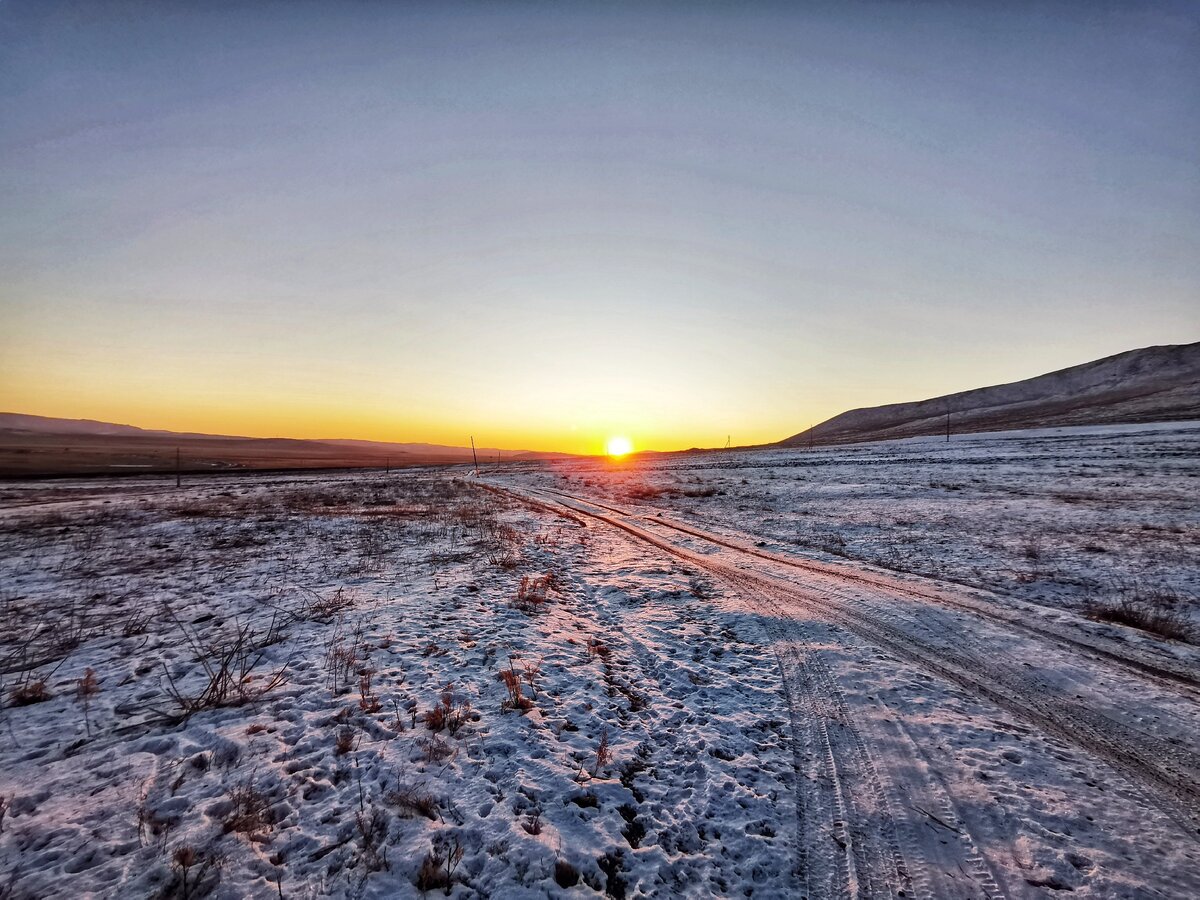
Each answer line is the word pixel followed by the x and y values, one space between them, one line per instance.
pixel 1165 774
pixel 1161 671
pixel 1169 769
pixel 846 842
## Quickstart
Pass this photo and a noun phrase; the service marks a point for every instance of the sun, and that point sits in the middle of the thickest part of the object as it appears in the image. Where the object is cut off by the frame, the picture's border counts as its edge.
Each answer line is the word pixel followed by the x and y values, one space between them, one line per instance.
pixel 619 446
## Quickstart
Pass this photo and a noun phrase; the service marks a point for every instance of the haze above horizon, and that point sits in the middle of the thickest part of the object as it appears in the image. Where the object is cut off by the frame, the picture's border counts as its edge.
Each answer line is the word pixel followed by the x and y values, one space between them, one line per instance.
pixel 550 227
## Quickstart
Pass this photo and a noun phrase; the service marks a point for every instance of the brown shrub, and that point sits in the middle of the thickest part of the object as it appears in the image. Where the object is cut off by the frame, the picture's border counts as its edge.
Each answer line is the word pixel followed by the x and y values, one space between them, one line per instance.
pixel 512 682
pixel 344 740
pixel 533 592
pixel 413 800
pixel 1157 611
pixel 368 701
pixel 449 714
pixel 28 693
pixel 432 873
pixel 251 813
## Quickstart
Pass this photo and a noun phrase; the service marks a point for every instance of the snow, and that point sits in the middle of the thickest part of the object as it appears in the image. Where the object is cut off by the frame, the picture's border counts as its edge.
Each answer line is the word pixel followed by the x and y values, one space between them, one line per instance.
pixel 1059 517
pixel 699 751
pixel 826 673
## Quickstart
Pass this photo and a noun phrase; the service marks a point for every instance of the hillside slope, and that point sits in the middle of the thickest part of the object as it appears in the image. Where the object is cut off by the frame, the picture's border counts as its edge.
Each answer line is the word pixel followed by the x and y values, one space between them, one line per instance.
pixel 40 445
pixel 1147 385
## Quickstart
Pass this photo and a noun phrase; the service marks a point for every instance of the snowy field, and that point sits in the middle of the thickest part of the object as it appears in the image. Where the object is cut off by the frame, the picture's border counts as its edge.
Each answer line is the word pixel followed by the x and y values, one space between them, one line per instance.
pixel 345 611
pixel 874 671
pixel 1068 516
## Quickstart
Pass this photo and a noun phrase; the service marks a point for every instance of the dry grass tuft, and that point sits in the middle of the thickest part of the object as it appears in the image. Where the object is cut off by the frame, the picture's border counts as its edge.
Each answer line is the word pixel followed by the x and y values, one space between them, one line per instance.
pixel 26 693
pixel 413 800
pixel 368 700
pixel 603 754
pixel 533 593
pixel 344 740
pixel 512 682
pixel 565 874
pixel 432 873
pixel 372 830
pixel 230 662
pixel 85 689
pixel 1156 611
pixel 251 813
pixel 449 714
pixel 195 873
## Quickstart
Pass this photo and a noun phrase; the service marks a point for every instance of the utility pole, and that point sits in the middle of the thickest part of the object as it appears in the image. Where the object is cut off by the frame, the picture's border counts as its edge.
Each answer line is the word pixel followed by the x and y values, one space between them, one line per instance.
pixel 474 457
pixel 178 473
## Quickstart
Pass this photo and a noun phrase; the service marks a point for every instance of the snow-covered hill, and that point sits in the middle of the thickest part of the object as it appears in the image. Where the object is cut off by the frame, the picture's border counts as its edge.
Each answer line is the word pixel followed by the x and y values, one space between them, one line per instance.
pixel 1146 385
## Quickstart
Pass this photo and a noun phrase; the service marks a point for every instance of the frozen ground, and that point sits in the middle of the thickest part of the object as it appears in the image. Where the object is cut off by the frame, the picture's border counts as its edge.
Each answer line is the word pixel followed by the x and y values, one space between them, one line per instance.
pixel 1062 517
pixel 918 709
pixel 375 597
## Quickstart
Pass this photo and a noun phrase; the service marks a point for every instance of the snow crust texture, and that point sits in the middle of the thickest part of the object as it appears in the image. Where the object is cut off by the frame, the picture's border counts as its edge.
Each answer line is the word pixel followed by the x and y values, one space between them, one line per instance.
pixel 876 671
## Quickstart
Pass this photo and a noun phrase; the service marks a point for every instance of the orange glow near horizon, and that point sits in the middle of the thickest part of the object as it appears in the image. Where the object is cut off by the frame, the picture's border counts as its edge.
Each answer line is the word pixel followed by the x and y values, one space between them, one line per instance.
pixel 266 394
pixel 547 248
pixel 618 446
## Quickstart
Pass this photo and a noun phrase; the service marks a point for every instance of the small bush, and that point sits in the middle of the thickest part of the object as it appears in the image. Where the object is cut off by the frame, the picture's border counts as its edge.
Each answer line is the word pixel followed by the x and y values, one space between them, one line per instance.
pixel 512 681
pixel 412 800
pixel 1157 611
pixel 432 873
pixel 450 714
pixel 1163 621
pixel 251 812
pixel 368 701
pixel 344 740
pixel 29 692
pixel 534 592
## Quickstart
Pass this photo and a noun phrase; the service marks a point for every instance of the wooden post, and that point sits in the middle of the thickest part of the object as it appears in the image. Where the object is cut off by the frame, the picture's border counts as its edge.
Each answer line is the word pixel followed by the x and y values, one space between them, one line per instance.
pixel 473 456
pixel 387 465
pixel 947 423
pixel 178 473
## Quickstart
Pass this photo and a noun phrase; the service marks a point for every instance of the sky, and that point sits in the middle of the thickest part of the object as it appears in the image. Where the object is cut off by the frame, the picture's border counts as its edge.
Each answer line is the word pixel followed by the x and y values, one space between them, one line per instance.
pixel 543 225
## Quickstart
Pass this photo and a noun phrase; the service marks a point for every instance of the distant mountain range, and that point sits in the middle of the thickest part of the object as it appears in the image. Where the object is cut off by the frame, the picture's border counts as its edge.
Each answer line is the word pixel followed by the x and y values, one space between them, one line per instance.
pixel 1152 384
pixel 40 445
